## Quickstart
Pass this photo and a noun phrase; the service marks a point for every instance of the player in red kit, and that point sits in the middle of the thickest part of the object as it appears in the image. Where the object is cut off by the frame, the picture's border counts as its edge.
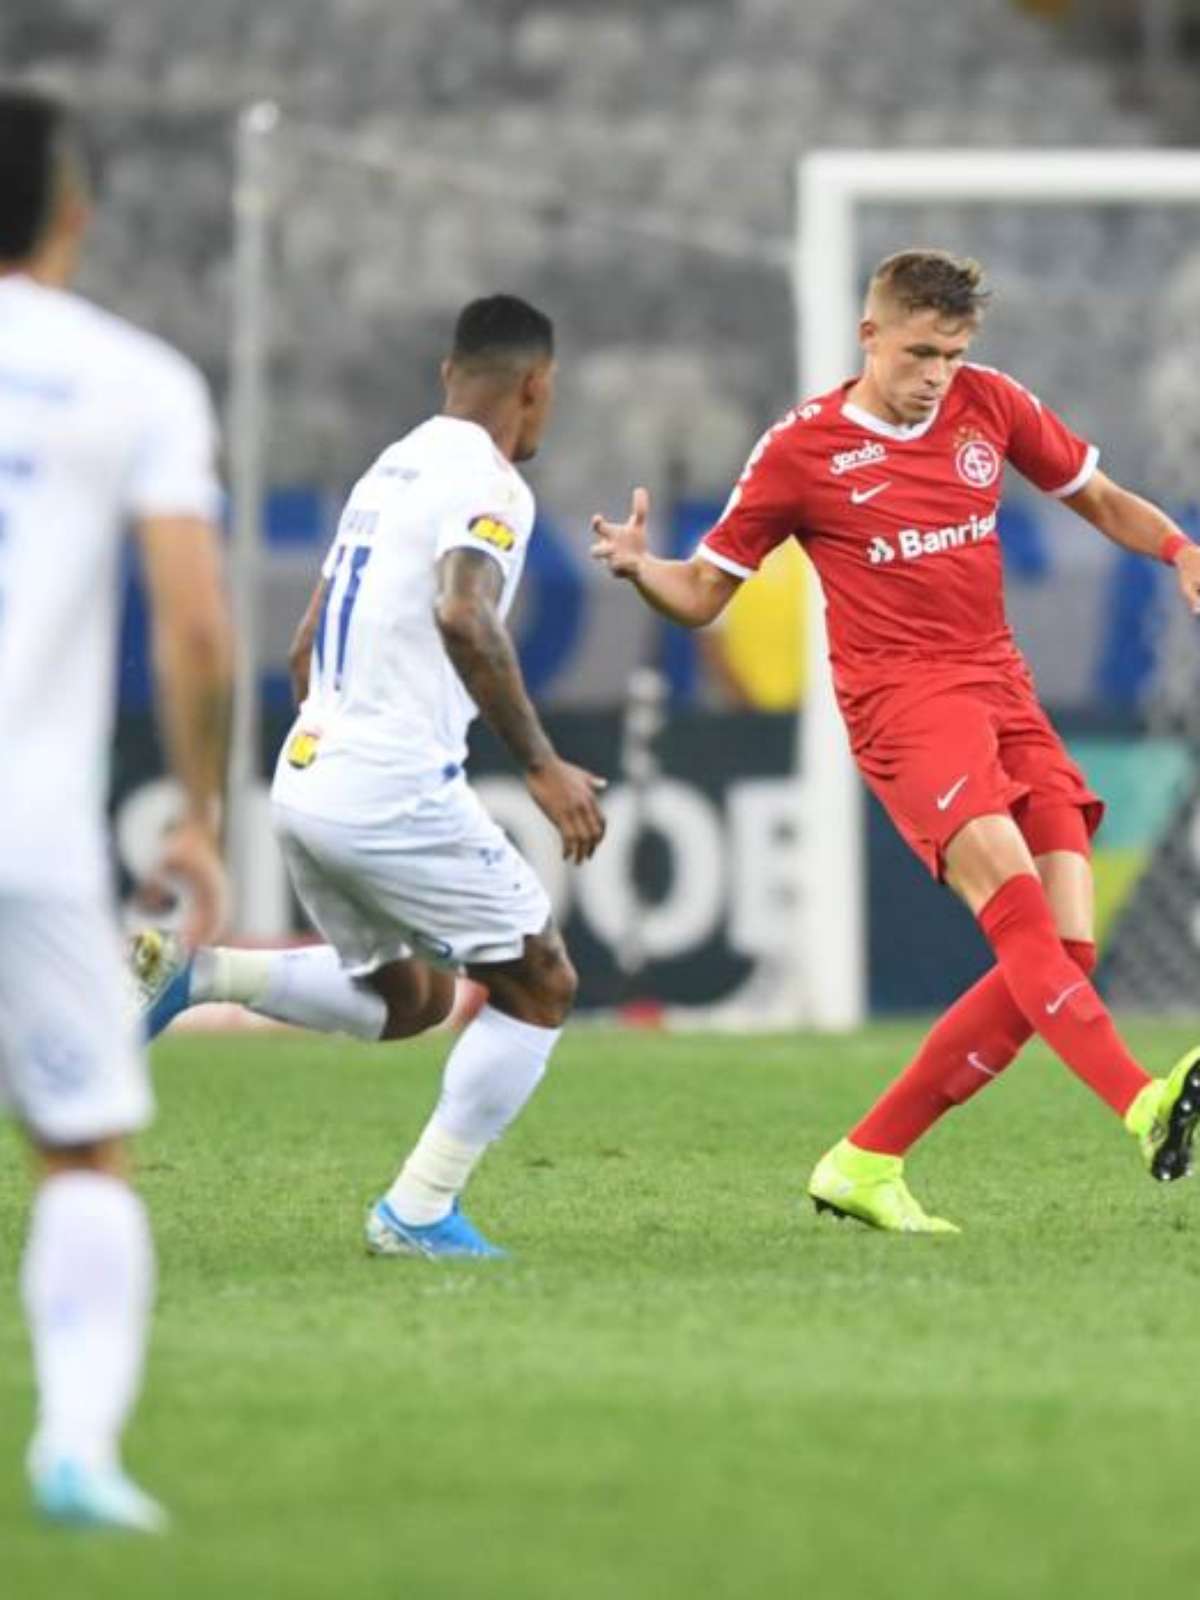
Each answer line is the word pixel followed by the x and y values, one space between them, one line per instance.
pixel 892 484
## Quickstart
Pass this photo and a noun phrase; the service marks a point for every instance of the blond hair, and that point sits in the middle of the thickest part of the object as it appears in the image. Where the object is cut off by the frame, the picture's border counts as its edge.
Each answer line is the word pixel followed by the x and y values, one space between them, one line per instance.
pixel 931 280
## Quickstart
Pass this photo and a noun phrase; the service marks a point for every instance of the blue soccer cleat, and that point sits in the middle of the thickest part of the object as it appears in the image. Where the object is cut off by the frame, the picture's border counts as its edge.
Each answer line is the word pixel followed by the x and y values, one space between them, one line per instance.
pixel 454 1237
pixel 161 975
pixel 95 1497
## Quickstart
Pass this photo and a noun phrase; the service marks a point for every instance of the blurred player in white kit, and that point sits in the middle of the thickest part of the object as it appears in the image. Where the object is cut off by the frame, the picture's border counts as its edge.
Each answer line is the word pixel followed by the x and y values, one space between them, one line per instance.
pixel 101 426
pixel 391 854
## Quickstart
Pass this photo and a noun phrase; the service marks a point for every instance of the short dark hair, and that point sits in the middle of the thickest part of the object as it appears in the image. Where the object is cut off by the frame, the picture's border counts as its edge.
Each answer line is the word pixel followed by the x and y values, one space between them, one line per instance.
pixel 933 280
pixel 36 129
pixel 500 330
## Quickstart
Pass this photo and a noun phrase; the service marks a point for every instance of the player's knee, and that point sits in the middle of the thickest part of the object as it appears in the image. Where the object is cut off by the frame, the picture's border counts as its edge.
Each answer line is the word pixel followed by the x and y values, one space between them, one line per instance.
pixel 417 998
pixel 440 1001
pixel 107 1157
pixel 422 1012
pixel 402 1024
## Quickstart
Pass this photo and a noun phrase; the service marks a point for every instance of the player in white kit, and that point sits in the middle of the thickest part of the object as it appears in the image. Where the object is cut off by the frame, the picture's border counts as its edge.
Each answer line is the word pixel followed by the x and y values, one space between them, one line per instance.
pixel 100 425
pixel 391 854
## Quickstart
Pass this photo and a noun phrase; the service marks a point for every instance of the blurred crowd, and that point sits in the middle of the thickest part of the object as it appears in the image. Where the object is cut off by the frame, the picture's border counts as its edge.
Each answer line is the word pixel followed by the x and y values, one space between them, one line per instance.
pixel 630 166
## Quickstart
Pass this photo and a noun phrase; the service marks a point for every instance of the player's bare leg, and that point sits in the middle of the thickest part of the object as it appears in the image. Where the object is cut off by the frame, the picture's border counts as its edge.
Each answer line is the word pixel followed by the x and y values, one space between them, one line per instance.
pixel 418 996
pixel 87 1283
pixel 308 988
pixel 494 1068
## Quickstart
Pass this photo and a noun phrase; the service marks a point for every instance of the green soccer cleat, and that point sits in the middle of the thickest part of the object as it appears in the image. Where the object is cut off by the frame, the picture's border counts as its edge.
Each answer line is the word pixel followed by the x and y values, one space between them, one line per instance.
pixel 1163 1119
pixel 859 1183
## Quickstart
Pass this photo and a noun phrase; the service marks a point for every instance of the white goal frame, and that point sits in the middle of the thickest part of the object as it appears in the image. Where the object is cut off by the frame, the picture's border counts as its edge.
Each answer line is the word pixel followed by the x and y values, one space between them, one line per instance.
pixel 831 976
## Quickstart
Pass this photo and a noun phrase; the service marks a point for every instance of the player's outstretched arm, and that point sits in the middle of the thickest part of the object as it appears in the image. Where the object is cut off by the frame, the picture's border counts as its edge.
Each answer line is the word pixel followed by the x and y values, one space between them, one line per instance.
pixel 477 642
pixel 1138 525
pixel 193 664
pixel 691 592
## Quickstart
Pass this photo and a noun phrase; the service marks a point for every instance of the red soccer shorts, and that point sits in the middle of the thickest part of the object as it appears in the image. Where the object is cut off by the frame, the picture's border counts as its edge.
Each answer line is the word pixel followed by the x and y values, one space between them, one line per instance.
pixel 971 752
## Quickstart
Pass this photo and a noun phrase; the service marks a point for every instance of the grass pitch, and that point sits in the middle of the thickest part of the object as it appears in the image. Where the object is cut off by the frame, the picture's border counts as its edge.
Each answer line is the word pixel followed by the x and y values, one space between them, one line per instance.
pixel 685 1385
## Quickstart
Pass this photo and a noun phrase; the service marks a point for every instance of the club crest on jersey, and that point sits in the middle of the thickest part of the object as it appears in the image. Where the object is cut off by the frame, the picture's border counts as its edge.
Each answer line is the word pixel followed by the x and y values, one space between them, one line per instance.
pixel 302 749
pixel 977 462
pixel 492 531
pixel 866 455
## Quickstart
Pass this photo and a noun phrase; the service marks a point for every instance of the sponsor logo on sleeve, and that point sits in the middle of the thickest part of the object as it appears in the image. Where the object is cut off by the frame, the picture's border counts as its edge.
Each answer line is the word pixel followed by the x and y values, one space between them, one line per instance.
pixel 492 530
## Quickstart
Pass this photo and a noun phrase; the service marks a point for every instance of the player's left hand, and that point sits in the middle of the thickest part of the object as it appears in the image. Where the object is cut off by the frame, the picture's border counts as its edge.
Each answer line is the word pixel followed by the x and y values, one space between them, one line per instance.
pixel 1187 570
pixel 191 860
pixel 621 545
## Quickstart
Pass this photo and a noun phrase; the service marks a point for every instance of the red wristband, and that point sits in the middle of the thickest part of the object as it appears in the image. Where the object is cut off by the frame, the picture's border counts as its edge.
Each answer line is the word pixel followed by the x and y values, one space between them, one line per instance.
pixel 1171 546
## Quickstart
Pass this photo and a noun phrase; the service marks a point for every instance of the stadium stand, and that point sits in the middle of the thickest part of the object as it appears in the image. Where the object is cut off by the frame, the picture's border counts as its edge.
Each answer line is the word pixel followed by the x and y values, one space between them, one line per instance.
pixel 689 113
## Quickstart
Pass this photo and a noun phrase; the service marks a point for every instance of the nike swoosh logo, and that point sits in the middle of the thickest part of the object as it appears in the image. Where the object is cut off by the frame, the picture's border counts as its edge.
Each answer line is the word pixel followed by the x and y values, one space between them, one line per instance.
pixel 1054 1006
pixel 980 1066
pixel 947 799
pixel 859 497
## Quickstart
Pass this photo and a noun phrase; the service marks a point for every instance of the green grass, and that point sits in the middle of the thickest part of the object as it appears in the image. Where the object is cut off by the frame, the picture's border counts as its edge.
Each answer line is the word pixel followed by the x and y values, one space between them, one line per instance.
pixel 685 1387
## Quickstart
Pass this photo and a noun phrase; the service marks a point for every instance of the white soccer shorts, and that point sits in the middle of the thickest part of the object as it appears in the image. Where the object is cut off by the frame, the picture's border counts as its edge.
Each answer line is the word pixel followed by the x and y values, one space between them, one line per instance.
pixel 72 1068
pixel 443 884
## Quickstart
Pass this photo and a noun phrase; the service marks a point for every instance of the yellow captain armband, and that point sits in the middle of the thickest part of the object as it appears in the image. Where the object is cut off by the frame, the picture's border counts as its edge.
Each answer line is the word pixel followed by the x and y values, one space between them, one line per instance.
pixel 492 530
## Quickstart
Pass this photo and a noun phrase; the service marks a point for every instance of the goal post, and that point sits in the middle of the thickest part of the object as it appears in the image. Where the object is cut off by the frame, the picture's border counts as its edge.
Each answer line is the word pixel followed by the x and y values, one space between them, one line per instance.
pixel 246 427
pixel 832 186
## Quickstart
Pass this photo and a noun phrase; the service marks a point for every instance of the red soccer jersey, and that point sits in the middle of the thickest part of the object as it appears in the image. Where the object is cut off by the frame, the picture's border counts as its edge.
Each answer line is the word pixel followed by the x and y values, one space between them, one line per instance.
pixel 900 523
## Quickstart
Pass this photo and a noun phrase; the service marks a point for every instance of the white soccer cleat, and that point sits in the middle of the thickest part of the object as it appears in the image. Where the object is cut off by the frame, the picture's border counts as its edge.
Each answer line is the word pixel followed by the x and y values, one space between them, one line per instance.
pixel 95 1497
pixel 158 975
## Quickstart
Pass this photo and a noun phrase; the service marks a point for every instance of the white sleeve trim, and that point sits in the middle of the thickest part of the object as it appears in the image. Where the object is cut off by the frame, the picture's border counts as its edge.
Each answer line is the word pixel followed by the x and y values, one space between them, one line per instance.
pixel 724 562
pixel 1080 478
pixel 502 558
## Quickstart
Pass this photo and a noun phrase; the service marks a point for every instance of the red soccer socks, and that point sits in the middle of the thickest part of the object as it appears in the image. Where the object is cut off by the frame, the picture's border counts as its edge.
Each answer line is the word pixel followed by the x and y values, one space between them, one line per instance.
pixel 966 1049
pixel 1055 995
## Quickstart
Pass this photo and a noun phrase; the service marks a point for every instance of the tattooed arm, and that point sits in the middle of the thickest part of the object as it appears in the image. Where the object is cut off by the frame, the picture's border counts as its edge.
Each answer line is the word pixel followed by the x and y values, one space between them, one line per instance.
pixel 466 610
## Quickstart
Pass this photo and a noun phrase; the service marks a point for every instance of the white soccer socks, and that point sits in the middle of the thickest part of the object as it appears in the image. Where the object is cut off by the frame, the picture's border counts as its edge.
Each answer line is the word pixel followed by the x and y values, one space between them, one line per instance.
pixel 493 1069
pixel 87 1283
pixel 434 1174
pixel 306 987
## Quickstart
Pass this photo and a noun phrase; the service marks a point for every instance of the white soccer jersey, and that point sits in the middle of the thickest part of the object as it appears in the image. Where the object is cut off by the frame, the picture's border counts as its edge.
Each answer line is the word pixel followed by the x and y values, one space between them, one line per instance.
pixel 387 714
pixel 99 423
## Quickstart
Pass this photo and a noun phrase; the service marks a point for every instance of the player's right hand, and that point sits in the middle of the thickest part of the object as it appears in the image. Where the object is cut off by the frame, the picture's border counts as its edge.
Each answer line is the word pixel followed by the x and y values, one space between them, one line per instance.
pixel 567 795
pixel 621 545
pixel 191 864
